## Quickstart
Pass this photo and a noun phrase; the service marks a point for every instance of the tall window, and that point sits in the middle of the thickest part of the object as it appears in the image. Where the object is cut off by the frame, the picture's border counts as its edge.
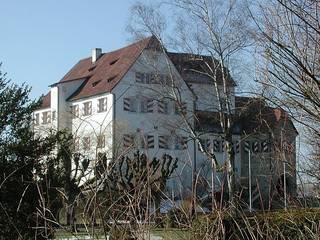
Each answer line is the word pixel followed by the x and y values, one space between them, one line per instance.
pixel 75 111
pixel 101 141
pixel 86 143
pixel 46 117
pixel 102 105
pixel 36 119
pixel 87 108
pixel 75 144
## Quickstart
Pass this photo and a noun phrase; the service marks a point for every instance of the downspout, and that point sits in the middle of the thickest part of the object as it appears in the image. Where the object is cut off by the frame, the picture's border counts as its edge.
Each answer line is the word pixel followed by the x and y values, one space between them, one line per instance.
pixel 194 172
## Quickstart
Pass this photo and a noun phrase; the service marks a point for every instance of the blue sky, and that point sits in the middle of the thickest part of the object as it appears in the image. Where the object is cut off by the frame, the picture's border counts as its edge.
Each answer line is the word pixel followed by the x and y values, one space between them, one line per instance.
pixel 40 40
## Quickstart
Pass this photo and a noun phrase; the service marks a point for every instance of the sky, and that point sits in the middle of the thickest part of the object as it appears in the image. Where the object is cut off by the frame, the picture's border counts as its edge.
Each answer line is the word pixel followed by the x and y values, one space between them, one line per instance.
pixel 40 40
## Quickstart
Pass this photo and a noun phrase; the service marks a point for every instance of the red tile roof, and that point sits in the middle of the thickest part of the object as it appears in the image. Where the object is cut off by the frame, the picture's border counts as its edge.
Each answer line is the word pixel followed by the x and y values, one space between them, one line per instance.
pixel 46 101
pixel 107 71
pixel 103 75
pixel 252 115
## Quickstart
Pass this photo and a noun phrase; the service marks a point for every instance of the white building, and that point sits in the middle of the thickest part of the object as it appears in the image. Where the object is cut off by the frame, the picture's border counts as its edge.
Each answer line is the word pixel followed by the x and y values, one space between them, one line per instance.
pixel 138 97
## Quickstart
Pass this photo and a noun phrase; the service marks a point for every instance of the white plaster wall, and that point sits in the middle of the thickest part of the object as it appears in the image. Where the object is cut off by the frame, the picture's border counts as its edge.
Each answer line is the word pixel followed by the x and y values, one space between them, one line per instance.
pixel 208 98
pixel 65 90
pixel 155 123
pixel 43 129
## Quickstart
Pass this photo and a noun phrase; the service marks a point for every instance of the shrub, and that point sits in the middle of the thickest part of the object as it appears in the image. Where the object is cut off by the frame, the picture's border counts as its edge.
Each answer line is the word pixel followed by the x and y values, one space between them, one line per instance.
pixel 293 224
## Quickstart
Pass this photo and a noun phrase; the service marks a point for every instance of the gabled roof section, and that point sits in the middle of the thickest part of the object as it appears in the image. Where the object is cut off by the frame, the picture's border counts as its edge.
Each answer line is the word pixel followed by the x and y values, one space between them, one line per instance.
pixel 198 68
pixel 46 101
pixel 255 115
pixel 103 75
pixel 252 115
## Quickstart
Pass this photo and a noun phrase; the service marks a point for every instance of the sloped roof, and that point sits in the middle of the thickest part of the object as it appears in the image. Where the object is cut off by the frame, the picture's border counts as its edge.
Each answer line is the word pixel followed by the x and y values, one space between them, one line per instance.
pixel 251 115
pixel 46 101
pixel 107 71
pixel 197 68
pixel 103 75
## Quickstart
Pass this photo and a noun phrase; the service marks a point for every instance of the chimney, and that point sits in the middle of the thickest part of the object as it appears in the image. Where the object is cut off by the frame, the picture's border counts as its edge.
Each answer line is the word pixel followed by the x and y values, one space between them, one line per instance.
pixel 96 53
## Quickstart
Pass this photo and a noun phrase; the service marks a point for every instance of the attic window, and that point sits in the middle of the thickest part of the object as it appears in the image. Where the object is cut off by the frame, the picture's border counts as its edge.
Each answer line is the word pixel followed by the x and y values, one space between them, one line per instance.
pixel 114 61
pixel 95 83
pixel 92 68
pixel 110 79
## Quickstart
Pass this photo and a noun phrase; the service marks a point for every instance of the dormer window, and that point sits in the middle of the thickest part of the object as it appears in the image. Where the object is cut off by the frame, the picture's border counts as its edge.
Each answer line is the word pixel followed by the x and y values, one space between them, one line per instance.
pixel 95 83
pixel 87 108
pixel 114 61
pixel 110 79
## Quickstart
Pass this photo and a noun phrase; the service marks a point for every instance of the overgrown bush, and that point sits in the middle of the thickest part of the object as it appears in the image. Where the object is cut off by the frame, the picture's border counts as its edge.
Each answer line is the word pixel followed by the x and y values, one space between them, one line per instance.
pixel 293 224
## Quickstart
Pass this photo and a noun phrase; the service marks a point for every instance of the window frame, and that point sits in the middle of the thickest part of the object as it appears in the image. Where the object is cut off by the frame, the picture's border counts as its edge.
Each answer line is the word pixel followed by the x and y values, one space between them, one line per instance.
pixel 102 105
pixel 87 111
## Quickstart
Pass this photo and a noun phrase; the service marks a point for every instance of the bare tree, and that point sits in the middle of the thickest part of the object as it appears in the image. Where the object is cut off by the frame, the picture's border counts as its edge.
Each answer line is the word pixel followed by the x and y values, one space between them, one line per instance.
pixel 216 29
pixel 290 43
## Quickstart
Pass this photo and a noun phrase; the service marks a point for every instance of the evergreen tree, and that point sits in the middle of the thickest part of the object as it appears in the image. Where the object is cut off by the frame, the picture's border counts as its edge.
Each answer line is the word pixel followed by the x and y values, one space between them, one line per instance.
pixel 20 153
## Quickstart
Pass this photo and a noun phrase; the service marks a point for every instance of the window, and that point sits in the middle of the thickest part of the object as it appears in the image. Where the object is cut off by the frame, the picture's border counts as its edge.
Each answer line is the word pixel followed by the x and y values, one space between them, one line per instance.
pixel 140 77
pixel 75 111
pixel 130 104
pixel 152 78
pixel 147 141
pixel 102 105
pixel 163 107
pixel 101 141
pixel 146 105
pixel 128 140
pixel 204 143
pixel 164 142
pixel 180 143
pixel 86 143
pixel 75 144
pixel 54 115
pixel 180 108
pixel 46 117
pixel 87 108
pixel 36 119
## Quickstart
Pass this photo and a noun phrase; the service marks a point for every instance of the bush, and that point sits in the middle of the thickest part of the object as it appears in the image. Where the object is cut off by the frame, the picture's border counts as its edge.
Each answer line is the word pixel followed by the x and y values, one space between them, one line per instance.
pixel 293 224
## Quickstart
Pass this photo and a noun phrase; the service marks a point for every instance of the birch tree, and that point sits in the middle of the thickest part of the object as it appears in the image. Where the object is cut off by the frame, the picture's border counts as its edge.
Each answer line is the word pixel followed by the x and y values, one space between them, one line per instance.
pixel 216 29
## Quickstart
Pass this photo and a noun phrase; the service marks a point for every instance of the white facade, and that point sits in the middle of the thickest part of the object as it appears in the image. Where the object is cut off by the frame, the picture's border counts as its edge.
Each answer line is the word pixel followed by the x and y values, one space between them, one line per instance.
pixel 138 114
